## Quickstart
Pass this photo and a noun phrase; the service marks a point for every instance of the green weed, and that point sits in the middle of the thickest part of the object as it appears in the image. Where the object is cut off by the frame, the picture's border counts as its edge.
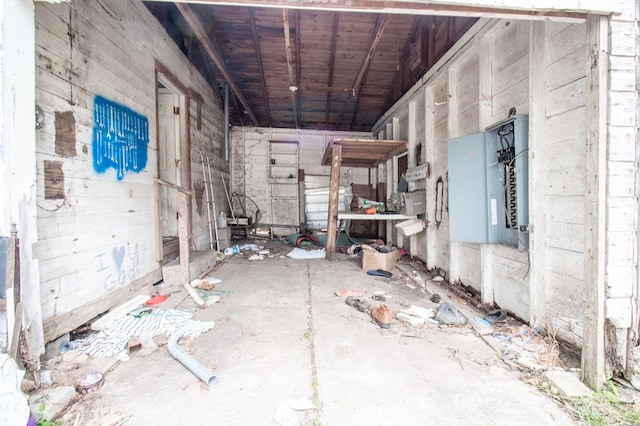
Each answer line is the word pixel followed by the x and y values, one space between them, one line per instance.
pixel 603 408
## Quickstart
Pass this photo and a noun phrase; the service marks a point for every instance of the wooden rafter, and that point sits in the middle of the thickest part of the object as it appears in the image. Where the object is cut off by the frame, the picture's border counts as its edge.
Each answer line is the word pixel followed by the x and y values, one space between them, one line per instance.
pixel 398 82
pixel 381 23
pixel 298 66
pixel 256 41
pixel 332 61
pixel 215 55
pixel 570 11
pixel 287 48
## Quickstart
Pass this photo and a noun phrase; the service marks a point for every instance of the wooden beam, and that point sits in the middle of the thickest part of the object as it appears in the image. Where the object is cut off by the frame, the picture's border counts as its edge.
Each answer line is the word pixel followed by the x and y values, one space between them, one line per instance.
pixel 215 55
pixel 595 237
pixel 298 66
pixel 381 23
pixel 332 61
pixel 334 186
pixel 561 10
pixel 287 48
pixel 256 41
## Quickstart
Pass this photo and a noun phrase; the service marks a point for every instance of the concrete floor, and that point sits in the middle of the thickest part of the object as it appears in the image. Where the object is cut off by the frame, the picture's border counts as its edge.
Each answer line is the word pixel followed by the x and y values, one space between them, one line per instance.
pixel 283 334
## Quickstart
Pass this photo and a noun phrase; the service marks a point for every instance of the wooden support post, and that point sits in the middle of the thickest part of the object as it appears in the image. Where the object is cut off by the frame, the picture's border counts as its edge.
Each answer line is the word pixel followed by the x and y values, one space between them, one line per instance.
pixel 593 322
pixel 183 238
pixel 455 248
pixel 334 189
pixel 157 195
pixel 537 182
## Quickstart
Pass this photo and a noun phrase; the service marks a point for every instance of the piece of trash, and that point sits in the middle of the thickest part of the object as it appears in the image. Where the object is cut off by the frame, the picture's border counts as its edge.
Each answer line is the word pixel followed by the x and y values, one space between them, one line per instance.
pixel 437 279
pixel 251 247
pixel 354 293
pixel 411 286
pixel 495 316
pixel 68 346
pixel 231 250
pixel 90 382
pixel 219 256
pixel 141 345
pixel 435 298
pixel 263 252
pixel 45 377
pixel 298 253
pixel 211 300
pixel 256 257
pixel 448 314
pixel 481 322
pixel 380 273
pixel 415 315
pixel 203 284
pixel 140 312
pixel 285 415
pixel 156 300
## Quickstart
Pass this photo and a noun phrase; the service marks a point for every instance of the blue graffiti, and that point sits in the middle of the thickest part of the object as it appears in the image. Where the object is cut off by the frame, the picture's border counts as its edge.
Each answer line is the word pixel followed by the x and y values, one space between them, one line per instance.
pixel 120 138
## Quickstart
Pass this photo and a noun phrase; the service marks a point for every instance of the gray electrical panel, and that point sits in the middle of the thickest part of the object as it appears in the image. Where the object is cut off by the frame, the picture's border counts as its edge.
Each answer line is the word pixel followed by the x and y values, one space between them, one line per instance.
pixel 488 185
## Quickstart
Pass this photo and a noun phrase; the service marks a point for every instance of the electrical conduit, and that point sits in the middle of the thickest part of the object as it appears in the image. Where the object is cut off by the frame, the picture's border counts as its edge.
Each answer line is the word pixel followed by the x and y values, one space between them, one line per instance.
pixel 199 370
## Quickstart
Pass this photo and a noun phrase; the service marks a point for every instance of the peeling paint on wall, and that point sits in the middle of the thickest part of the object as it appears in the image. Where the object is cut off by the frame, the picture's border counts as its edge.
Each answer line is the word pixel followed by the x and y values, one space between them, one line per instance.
pixel 65 134
pixel 120 138
pixel 53 180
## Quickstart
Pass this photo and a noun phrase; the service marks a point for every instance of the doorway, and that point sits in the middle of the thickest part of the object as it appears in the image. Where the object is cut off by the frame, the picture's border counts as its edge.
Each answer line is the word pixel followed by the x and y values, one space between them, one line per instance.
pixel 173 160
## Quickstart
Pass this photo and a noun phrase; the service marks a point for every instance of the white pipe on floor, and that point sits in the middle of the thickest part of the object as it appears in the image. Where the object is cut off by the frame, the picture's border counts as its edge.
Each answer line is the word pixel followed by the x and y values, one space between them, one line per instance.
pixel 201 372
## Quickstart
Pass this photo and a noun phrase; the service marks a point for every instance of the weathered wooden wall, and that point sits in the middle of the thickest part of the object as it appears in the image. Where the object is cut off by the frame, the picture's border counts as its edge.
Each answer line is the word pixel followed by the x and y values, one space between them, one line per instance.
pixel 476 87
pixel 623 157
pixel 18 172
pixel 97 239
pixel 250 162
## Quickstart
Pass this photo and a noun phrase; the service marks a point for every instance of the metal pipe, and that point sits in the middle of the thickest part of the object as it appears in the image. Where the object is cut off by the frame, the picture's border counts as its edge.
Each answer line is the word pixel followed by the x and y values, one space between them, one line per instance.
pixel 206 190
pixel 226 122
pixel 199 370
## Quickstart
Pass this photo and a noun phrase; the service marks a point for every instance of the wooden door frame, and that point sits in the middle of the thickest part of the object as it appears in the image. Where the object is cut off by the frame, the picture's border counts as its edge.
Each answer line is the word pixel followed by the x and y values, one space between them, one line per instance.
pixel 162 74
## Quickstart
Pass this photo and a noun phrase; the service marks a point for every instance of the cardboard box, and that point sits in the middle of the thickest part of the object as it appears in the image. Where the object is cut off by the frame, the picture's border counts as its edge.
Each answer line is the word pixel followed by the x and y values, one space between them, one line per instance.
pixel 372 259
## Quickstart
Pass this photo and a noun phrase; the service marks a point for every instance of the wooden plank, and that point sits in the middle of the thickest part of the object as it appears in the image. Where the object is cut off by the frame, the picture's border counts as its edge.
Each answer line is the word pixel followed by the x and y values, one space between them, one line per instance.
pixel 14 335
pixel 334 185
pixel 214 54
pixel 183 237
pixel 593 344
pixel 544 10
pixel 119 312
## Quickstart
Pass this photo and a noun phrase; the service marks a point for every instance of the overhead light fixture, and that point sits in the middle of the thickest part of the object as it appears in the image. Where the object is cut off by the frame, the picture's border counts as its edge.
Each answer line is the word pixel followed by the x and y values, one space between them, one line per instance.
pixel 293 88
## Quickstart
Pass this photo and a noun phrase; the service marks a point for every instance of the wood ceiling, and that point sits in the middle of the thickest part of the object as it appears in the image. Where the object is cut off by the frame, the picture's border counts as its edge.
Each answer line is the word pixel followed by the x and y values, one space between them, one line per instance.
pixel 308 69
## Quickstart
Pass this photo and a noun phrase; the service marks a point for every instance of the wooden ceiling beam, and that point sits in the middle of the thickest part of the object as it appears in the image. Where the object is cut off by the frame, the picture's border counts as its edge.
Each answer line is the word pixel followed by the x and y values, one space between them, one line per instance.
pixel 256 41
pixel 562 10
pixel 298 65
pixel 381 23
pixel 215 55
pixel 287 48
pixel 332 61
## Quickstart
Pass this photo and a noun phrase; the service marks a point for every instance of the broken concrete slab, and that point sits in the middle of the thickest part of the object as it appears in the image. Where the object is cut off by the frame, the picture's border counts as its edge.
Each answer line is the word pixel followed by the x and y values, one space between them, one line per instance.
pixel 567 383
pixel 46 404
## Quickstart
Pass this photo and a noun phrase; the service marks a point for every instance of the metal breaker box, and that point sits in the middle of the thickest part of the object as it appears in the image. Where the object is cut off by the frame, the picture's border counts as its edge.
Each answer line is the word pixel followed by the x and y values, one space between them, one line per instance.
pixel 488 185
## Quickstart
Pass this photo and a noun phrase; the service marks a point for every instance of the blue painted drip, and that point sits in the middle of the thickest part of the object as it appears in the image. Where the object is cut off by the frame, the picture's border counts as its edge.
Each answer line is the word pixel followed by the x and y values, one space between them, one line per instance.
pixel 120 138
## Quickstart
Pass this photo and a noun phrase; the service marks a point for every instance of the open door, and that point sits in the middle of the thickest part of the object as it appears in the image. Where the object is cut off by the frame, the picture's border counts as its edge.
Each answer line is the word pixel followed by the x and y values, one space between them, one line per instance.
pixel 173 161
pixel 168 168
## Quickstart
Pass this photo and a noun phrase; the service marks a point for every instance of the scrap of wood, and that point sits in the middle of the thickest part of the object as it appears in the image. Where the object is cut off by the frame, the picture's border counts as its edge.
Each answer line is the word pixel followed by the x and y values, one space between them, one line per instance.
pixel 194 295
pixel 119 312
pixel 14 345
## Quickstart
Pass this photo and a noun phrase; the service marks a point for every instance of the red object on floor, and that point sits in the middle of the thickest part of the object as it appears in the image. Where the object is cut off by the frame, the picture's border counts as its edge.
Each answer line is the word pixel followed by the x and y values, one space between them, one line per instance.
pixel 156 300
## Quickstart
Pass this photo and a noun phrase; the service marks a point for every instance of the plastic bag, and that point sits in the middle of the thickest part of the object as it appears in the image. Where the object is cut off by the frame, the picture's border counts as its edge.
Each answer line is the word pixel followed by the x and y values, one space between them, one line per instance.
pixel 447 314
